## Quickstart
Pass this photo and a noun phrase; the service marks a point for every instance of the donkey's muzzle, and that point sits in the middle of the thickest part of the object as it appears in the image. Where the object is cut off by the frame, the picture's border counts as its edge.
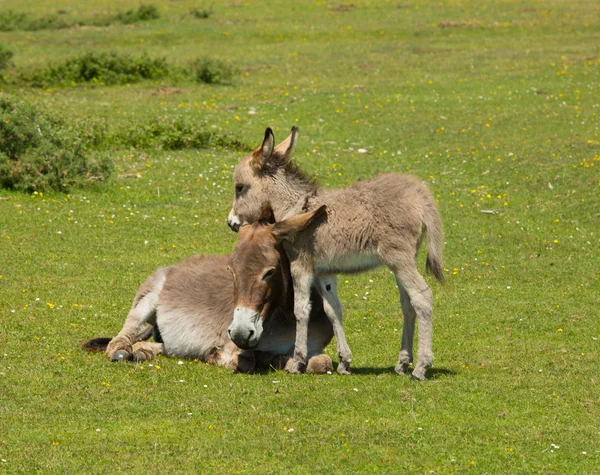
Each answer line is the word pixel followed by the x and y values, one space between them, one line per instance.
pixel 246 328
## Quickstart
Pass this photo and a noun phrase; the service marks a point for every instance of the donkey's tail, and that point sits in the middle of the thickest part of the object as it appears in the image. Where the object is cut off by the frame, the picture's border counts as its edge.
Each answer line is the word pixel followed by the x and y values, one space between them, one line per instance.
pixel 435 243
pixel 100 344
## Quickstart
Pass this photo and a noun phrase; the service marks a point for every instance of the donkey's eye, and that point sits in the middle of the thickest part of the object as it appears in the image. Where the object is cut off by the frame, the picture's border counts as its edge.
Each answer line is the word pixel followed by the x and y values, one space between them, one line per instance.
pixel 239 188
pixel 268 274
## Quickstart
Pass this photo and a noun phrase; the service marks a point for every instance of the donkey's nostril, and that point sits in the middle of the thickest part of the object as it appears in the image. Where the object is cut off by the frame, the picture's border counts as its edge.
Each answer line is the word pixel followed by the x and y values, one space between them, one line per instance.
pixel 229 332
pixel 251 334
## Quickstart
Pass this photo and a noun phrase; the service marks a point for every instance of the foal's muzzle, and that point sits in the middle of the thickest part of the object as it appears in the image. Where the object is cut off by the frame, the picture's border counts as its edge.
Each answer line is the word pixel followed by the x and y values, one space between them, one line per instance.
pixel 234 222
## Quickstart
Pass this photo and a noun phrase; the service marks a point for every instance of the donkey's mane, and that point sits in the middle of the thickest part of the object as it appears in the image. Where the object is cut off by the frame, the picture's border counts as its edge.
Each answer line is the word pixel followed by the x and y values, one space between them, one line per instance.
pixel 291 168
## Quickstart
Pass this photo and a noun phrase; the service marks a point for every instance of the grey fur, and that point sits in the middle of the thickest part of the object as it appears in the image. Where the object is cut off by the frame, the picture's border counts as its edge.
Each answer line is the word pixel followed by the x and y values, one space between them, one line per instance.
pixel 378 221
pixel 192 305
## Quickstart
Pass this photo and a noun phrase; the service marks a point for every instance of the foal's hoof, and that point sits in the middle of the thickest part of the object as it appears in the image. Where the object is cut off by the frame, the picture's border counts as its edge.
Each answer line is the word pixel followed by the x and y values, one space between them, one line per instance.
pixel 121 355
pixel 295 367
pixel 402 369
pixel 343 367
pixel 418 375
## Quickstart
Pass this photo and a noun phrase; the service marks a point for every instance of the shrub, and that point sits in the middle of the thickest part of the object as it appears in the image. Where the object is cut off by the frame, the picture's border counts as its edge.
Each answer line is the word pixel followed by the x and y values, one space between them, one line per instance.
pixel 115 68
pixel 104 68
pixel 11 21
pixel 201 13
pixel 5 56
pixel 171 133
pixel 36 153
pixel 143 13
pixel 212 71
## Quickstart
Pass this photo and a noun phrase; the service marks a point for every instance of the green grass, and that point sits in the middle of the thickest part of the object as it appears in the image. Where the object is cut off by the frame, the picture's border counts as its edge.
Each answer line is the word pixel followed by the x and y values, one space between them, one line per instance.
pixel 496 111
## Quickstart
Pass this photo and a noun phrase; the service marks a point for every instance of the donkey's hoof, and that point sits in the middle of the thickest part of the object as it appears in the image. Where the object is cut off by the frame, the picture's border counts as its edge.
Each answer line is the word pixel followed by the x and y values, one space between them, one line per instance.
pixel 319 364
pixel 121 355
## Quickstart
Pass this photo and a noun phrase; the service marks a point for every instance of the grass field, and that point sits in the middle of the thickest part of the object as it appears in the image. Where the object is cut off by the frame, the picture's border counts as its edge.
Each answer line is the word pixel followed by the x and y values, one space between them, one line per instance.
pixel 494 104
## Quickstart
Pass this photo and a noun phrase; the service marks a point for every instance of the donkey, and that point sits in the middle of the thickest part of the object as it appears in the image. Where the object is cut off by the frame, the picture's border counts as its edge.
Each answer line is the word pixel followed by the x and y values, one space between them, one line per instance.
pixel 190 307
pixel 382 220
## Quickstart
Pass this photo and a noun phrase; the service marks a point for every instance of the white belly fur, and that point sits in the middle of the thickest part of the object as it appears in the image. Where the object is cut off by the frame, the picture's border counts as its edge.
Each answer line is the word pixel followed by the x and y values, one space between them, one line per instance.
pixel 348 264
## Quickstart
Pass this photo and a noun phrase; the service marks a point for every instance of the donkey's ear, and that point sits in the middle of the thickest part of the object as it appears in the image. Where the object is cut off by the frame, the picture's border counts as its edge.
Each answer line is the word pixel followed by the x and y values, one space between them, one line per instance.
pixel 264 152
pixel 288 228
pixel 286 147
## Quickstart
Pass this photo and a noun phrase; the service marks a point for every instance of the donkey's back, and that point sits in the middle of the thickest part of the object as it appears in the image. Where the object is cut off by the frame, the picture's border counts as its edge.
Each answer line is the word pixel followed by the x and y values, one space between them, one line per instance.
pixel 195 306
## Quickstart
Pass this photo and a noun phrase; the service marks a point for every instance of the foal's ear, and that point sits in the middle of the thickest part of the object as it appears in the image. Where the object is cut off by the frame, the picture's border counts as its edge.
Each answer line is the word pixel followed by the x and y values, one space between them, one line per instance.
pixel 262 153
pixel 286 147
pixel 288 228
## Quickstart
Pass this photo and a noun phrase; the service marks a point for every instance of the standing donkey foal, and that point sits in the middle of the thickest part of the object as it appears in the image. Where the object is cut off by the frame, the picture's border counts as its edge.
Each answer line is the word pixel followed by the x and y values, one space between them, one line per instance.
pixel 382 220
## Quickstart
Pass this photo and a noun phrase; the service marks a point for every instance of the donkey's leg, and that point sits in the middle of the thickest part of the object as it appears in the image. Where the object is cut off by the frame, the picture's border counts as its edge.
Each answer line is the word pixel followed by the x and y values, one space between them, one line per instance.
pixel 408 331
pixel 421 300
pixel 232 357
pixel 120 347
pixel 146 351
pixel 333 309
pixel 302 278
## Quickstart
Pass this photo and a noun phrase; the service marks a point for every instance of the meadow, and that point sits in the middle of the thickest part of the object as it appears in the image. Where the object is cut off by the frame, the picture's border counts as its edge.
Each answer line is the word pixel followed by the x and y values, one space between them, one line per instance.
pixel 494 104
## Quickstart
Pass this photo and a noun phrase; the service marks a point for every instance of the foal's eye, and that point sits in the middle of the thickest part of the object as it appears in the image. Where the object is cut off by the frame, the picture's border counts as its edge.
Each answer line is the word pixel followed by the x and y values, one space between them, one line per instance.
pixel 268 274
pixel 239 188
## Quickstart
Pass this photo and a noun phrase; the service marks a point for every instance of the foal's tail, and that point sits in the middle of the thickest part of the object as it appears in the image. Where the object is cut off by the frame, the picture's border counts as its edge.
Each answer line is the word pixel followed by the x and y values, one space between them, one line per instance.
pixel 100 344
pixel 435 243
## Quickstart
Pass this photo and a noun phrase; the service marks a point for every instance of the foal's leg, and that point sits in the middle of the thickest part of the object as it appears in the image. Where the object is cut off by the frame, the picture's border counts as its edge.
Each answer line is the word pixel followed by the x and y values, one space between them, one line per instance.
pixel 333 309
pixel 421 300
pixel 120 347
pixel 408 331
pixel 302 278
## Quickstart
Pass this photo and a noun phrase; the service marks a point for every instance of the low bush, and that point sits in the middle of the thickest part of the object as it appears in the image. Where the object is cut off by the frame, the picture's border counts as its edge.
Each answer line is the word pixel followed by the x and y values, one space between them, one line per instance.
pixel 173 134
pixel 143 13
pixel 5 56
pixel 165 133
pixel 37 153
pixel 13 21
pixel 212 71
pixel 116 68
pixel 201 13
pixel 100 68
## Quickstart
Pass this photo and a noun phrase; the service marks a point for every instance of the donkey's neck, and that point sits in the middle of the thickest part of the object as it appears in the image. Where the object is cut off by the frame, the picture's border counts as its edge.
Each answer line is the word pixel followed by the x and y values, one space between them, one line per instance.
pixel 283 289
pixel 289 194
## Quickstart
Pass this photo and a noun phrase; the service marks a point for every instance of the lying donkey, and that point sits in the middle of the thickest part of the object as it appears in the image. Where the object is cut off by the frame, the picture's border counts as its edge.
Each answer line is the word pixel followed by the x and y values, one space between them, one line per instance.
pixel 378 221
pixel 191 304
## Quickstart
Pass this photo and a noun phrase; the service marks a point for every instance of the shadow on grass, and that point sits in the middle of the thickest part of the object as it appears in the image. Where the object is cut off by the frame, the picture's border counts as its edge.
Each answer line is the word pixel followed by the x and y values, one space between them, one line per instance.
pixel 432 373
